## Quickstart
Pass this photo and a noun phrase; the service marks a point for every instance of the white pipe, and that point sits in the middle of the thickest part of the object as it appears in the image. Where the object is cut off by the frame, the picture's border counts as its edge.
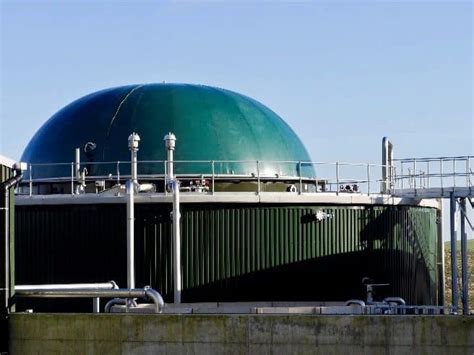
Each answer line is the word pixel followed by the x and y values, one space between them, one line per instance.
pixel 99 286
pixel 78 165
pixel 147 293
pixel 133 141
pixel 130 190
pixel 176 243
pixel 170 144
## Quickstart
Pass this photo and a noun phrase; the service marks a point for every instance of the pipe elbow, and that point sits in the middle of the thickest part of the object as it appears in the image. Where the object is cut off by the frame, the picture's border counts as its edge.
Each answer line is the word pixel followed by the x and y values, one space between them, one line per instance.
pixel 156 298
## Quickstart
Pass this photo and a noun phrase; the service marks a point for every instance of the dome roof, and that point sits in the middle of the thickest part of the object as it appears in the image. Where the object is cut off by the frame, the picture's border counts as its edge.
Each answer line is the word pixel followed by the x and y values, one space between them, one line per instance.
pixel 209 123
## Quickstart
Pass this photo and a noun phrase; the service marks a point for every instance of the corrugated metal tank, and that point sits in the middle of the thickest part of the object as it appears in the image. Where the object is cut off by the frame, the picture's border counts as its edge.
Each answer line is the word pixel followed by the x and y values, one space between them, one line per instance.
pixel 238 252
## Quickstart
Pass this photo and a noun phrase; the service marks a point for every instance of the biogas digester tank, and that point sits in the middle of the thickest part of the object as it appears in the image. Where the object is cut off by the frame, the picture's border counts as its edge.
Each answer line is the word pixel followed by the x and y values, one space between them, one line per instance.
pixel 236 246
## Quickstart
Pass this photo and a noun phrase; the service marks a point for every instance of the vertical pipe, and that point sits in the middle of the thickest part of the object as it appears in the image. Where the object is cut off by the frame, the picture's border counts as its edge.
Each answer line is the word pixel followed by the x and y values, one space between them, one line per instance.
pixel 337 178
pixel 96 305
pixel 78 163
pixel 176 243
pixel 387 159
pixel 454 271
pixel 465 282
pixel 173 184
pixel 133 141
pixel 130 190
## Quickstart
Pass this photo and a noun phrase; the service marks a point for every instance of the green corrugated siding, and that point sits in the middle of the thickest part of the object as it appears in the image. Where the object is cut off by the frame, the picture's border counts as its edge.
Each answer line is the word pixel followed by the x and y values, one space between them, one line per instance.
pixel 232 252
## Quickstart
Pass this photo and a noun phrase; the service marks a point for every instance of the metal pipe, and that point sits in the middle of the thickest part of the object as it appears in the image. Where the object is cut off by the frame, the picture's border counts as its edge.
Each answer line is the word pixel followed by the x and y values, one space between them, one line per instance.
pixel 113 302
pixel 78 165
pixel 133 141
pixel 173 185
pixel 170 144
pixel 387 159
pixel 454 270
pixel 96 305
pixel 130 191
pixel 5 186
pixel 111 285
pixel 464 268
pixel 146 293
pixel 176 243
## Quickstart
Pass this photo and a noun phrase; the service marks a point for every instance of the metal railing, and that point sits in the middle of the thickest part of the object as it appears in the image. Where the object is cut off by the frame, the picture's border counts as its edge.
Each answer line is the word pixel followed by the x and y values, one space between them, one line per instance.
pixel 442 173
pixel 317 177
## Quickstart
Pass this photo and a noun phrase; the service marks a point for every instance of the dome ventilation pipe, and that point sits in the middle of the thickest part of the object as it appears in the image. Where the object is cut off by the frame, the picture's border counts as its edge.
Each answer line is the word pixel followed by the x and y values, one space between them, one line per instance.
pixel 131 188
pixel 172 185
pixel 387 165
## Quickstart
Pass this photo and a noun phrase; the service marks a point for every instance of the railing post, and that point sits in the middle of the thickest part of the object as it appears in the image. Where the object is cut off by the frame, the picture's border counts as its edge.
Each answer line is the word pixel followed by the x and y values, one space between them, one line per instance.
pixel 414 175
pixel 213 177
pixel 454 173
pixel 31 180
pixel 258 178
pixel 165 177
pixel 441 175
pixel 301 178
pixel 337 178
pixel 428 174
pixel 118 172
pixel 368 179
pixel 72 178
pixel 468 181
pixel 401 174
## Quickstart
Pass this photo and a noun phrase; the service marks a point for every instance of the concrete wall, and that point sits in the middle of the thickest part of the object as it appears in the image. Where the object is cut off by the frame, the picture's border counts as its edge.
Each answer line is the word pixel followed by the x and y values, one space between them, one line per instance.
pixel 239 334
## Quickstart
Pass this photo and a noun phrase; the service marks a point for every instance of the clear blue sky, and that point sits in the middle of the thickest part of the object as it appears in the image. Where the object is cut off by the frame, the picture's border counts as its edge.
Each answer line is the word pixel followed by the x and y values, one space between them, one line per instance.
pixel 342 74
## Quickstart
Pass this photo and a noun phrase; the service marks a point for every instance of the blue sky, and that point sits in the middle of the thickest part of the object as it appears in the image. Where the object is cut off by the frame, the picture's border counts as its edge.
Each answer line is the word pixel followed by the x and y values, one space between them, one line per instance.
pixel 342 74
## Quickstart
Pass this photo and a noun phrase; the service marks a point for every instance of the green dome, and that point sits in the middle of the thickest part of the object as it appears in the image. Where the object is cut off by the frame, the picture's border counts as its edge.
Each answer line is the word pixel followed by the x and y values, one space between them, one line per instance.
pixel 209 123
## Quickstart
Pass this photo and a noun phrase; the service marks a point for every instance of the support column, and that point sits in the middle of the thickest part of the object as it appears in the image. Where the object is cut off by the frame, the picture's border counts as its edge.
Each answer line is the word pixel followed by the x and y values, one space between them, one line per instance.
pixel 454 271
pixel 464 270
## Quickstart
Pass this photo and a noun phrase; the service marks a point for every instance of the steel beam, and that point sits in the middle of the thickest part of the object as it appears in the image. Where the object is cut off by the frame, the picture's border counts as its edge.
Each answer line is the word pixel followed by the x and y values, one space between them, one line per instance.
pixel 454 271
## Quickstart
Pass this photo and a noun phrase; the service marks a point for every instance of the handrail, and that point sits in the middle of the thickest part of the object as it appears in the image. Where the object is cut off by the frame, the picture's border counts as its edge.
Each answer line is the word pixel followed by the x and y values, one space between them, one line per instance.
pixel 331 175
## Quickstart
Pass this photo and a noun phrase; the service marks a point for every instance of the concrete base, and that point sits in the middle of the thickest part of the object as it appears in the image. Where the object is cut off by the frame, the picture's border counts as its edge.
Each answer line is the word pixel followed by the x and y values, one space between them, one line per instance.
pixel 239 334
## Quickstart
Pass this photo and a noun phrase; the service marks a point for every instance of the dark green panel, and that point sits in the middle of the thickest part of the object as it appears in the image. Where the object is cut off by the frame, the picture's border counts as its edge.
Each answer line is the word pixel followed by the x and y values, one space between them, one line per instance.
pixel 234 252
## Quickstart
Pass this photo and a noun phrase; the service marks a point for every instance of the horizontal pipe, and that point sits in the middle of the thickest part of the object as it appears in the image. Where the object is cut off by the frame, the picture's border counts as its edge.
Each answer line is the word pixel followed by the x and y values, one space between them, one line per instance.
pixel 146 293
pixel 113 302
pixel 102 286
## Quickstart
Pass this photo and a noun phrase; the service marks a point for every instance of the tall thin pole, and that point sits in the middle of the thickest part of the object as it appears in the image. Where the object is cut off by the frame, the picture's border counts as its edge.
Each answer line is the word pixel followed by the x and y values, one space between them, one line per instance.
pixel 173 185
pixel 176 243
pixel 454 270
pixel 133 141
pixel 465 289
